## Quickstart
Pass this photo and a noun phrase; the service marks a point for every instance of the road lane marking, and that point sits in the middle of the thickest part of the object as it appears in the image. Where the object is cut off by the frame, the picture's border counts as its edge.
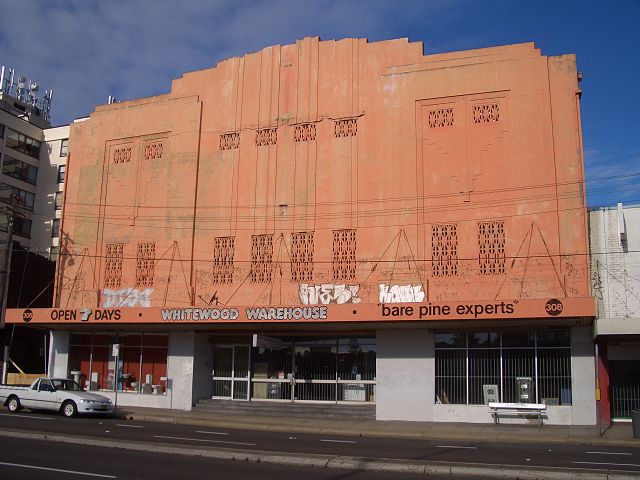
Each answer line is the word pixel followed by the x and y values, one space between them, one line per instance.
pixel 24 416
pixel 33 467
pixel 128 426
pixel 203 440
pixel 212 433
pixel 455 446
pixel 610 453
pixel 339 441
pixel 616 464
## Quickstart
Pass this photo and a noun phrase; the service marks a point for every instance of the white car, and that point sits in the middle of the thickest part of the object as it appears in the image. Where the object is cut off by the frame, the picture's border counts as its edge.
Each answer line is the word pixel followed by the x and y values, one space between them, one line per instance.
pixel 58 394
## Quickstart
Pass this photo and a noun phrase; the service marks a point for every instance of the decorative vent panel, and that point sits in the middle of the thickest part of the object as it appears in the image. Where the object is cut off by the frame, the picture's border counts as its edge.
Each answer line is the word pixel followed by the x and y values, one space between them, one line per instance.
pixel 266 136
pixel 261 256
pixel 444 250
pixel 441 118
pixel 491 241
pixel 146 260
pixel 113 265
pixel 344 254
pixel 486 113
pixel 153 150
pixel 345 128
pixel 302 257
pixel 229 141
pixel 223 251
pixel 305 132
pixel 122 155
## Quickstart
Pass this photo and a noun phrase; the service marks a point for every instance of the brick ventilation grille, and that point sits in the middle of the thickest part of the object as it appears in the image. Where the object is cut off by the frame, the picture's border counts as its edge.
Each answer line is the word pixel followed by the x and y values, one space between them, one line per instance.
pixel 223 251
pixel 146 260
pixel 230 141
pixel 345 128
pixel 441 118
pixel 491 240
pixel 486 113
pixel 344 254
pixel 305 132
pixel 302 257
pixel 261 255
pixel 266 136
pixel 113 266
pixel 153 151
pixel 122 155
pixel 444 250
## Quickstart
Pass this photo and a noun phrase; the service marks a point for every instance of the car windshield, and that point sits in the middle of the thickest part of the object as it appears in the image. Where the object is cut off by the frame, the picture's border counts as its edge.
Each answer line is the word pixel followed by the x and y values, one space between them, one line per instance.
pixel 62 384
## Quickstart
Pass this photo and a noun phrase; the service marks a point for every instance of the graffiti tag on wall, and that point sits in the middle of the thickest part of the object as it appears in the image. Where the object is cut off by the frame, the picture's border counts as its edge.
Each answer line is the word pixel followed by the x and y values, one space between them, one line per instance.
pixel 400 293
pixel 126 297
pixel 327 293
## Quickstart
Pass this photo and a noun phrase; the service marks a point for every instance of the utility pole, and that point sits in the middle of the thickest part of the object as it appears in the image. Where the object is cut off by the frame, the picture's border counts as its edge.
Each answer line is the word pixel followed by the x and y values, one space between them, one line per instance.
pixel 10 211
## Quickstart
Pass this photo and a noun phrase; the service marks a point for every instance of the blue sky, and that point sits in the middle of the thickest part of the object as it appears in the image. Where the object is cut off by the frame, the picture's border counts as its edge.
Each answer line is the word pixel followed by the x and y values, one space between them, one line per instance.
pixel 87 50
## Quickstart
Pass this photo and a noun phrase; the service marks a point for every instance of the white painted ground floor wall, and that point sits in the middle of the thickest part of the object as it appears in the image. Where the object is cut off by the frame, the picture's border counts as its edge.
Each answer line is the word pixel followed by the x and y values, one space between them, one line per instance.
pixel 405 372
pixel 405 369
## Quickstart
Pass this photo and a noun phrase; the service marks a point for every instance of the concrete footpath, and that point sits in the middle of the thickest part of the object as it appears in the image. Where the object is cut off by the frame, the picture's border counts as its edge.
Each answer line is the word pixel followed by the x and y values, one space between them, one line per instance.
pixel 618 434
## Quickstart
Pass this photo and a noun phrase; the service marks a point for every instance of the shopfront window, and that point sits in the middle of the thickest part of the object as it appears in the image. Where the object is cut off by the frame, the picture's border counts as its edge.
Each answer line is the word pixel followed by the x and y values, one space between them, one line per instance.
pixel 476 368
pixel 142 364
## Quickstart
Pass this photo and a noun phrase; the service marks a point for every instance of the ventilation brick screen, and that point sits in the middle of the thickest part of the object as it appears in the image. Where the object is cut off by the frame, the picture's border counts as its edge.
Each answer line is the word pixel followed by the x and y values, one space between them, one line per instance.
pixel 345 128
pixel 229 141
pixel 444 250
pixel 261 256
pixel 486 113
pixel 122 155
pixel 441 118
pixel 113 265
pixel 344 254
pixel 266 136
pixel 491 240
pixel 146 260
pixel 223 251
pixel 153 150
pixel 302 257
pixel 305 132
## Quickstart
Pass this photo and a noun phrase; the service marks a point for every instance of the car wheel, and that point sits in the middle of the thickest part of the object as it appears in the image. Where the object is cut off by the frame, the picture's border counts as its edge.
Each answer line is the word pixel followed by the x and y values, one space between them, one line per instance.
pixel 69 409
pixel 13 405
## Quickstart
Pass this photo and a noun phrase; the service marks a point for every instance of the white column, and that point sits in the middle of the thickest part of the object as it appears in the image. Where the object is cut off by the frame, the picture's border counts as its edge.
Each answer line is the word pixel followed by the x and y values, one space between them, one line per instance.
pixel 180 364
pixel 59 354
pixel 583 384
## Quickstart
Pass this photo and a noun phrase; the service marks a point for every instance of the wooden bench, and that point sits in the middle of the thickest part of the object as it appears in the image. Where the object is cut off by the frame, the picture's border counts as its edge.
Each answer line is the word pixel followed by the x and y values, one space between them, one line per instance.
pixel 520 409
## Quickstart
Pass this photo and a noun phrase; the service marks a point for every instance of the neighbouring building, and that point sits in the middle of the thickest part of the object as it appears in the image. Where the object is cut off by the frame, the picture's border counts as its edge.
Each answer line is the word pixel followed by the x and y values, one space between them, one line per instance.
pixel 334 221
pixel 615 269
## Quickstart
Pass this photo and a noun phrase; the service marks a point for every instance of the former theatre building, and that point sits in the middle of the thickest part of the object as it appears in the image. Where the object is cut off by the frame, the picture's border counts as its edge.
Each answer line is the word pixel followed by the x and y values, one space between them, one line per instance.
pixel 334 221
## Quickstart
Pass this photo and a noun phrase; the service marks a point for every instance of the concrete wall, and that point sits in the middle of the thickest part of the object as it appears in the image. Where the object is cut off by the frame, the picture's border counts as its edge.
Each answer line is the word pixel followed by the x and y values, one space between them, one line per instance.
pixel 405 374
pixel 180 369
pixel 583 373
pixel 59 354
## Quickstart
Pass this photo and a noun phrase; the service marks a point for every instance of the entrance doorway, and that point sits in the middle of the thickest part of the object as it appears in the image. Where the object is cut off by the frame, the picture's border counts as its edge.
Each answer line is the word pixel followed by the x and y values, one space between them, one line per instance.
pixel 231 372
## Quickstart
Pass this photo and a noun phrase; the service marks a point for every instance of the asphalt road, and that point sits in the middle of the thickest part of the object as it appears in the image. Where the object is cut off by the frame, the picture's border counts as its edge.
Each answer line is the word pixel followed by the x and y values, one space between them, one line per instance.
pixel 613 459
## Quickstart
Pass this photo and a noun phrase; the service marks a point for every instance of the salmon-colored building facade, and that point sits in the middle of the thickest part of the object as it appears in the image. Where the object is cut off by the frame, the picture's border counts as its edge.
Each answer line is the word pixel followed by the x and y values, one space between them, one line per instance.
pixel 337 221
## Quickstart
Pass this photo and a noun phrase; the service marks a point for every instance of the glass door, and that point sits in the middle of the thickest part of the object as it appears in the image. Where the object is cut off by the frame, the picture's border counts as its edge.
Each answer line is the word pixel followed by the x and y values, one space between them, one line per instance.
pixel 231 372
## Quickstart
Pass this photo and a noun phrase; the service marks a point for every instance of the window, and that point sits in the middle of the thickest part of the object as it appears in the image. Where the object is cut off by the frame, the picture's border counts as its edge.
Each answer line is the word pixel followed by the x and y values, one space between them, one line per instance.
pixel 113 265
pixel 266 136
pixel 64 147
pixel 22 227
pixel 55 227
pixel 8 193
pixel 146 260
pixel 223 251
pixel 261 257
pixel 302 257
pixel 153 150
pixel 305 132
pixel 345 128
pixel 511 366
pixel 441 118
pixel 143 362
pixel 23 144
pixel 230 141
pixel 61 170
pixel 486 113
pixel 53 253
pixel 491 240
pixel 444 250
pixel 344 254
pixel 58 201
pixel 20 170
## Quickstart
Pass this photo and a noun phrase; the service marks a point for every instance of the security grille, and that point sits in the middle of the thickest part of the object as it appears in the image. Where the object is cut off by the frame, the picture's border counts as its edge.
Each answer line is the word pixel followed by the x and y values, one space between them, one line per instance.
pixel 223 252
pixel 261 258
pixel 344 254
pixel 302 256
pixel 444 250
pixel 345 128
pixel 230 141
pixel 153 150
pixel 305 132
pixel 113 265
pixel 122 155
pixel 441 118
pixel 486 113
pixel 146 260
pixel 491 240
pixel 266 136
